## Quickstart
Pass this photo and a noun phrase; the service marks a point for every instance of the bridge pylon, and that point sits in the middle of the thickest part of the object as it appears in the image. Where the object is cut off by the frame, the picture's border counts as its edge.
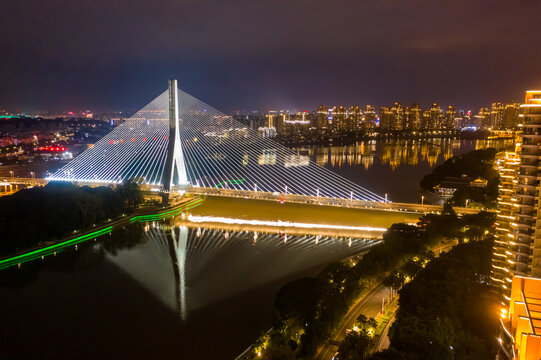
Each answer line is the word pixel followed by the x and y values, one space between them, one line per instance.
pixel 175 168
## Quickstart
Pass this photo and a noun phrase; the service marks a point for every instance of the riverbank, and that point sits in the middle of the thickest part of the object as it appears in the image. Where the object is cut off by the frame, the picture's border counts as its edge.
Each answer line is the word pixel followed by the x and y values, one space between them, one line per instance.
pixel 314 308
pixel 52 248
pixel 348 139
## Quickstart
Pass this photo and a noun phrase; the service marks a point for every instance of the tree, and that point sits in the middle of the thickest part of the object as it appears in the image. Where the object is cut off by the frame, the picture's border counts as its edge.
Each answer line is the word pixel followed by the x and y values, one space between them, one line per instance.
pixel 131 193
pixel 355 346
pixel 300 297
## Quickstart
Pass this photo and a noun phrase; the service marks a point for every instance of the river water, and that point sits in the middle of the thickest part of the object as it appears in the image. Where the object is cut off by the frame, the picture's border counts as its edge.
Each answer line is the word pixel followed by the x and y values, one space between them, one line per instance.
pixel 153 290
pixel 394 167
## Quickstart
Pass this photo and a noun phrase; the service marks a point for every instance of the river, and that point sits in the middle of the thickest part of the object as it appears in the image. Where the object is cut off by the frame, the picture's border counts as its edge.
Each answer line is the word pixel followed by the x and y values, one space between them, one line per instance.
pixel 153 290
pixel 394 167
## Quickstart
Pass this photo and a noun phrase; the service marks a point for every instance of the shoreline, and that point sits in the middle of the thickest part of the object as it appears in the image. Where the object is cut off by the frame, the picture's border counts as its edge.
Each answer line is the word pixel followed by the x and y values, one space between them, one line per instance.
pixel 57 246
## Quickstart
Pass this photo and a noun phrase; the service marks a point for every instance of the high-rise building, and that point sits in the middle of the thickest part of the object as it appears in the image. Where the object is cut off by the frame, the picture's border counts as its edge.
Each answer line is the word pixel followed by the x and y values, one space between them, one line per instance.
pixel 385 118
pixel 517 249
pixel 496 116
pixel 339 115
pixel 436 116
pixel 370 118
pixel 322 119
pixel 413 117
pixel 511 116
pixel 450 118
pixel 506 224
pixel 297 124
pixel 432 118
pixel 398 119
pixel 354 119
pixel 482 119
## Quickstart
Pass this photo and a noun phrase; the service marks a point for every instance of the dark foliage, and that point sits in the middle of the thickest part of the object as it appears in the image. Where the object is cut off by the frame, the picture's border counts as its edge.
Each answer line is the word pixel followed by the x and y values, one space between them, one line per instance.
pixel 35 215
pixel 319 303
pixel 474 164
pixel 446 312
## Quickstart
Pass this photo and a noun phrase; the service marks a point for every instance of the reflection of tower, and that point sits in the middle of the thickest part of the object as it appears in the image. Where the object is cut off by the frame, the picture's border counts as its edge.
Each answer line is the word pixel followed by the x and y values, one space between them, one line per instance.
pixel 177 250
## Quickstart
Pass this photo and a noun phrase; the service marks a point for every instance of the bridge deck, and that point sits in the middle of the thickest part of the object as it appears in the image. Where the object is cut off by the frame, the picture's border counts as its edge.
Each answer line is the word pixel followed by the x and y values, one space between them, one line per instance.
pixel 289 198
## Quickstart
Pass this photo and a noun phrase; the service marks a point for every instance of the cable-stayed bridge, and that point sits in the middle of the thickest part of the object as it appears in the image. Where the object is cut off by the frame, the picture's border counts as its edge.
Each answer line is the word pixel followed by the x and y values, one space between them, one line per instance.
pixel 177 143
pixel 178 140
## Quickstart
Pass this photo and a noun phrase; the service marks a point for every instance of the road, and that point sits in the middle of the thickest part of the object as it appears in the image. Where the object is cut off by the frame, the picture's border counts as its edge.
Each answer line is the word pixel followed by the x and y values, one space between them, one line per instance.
pixel 369 305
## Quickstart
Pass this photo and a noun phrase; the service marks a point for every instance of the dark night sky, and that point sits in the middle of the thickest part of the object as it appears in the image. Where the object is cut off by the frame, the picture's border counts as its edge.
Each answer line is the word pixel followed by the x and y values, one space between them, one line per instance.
pixel 261 54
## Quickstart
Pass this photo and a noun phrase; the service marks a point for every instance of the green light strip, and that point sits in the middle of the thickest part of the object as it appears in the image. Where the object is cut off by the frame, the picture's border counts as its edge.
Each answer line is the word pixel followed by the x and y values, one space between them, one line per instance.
pixel 35 254
pixel 239 181
pixel 166 214
pixel 51 249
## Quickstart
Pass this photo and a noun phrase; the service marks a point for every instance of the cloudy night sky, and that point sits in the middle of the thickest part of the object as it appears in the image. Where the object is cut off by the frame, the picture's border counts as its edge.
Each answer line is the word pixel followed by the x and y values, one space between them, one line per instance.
pixel 267 54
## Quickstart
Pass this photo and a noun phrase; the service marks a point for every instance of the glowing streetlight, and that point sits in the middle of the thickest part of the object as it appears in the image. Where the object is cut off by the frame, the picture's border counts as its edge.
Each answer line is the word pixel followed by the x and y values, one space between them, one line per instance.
pixel 385 197
pixel 422 200
pixel 33 174
pixel 11 173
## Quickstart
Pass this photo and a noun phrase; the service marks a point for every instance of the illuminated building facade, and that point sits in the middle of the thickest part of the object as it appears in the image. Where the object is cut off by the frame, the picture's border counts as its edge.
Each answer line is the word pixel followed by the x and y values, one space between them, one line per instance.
pixel 524 319
pixel 322 119
pixel 517 250
pixel 385 118
pixel 511 116
pixel 482 119
pixel 413 117
pixel 496 116
pixel 342 120
pixel 370 117
pixel 354 120
pixel 450 118
pixel 507 166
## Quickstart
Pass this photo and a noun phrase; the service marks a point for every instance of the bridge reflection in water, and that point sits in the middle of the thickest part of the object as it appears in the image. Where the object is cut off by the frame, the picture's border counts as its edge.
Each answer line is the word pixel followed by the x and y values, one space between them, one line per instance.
pixel 190 268
pixel 151 290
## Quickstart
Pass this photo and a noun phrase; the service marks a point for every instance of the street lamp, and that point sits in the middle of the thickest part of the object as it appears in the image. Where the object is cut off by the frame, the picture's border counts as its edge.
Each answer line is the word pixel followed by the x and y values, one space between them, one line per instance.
pixel 467 200
pixel 385 198
pixel 422 200
pixel 33 174
pixel 317 193
pixel 11 172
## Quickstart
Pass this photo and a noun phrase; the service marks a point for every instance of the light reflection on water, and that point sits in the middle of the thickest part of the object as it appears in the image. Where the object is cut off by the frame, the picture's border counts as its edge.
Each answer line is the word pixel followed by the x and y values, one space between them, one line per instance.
pixel 203 277
pixel 394 167
pixel 191 268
